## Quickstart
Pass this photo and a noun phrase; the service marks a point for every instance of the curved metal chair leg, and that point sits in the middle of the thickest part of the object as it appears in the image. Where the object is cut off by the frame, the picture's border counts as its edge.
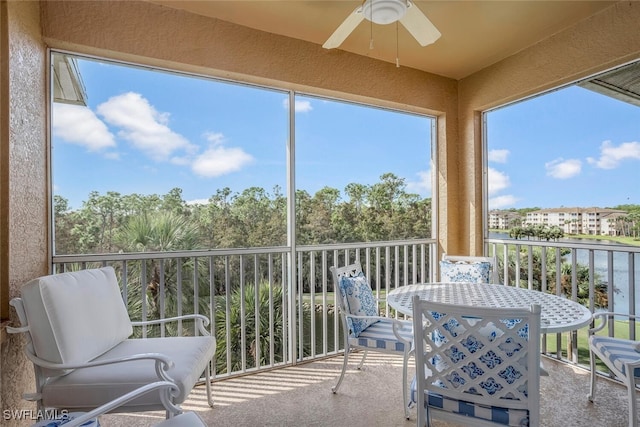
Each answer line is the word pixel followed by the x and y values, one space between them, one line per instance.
pixel 364 356
pixel 335 388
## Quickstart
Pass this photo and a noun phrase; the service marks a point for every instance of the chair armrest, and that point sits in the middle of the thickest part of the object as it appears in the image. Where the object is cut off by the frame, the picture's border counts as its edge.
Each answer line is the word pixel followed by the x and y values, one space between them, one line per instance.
pixel 604 316
pixel 201 320
pixel 397 326
pixel 109 406
pixel 163 363
pixel 633 365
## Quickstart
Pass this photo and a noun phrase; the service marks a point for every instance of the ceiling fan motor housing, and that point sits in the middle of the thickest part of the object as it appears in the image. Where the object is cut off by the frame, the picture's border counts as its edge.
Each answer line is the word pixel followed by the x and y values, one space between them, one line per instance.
pixel 384 11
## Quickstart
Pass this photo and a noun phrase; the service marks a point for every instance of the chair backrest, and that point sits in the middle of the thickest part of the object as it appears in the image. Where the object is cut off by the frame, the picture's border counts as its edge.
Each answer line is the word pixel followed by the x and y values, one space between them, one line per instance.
pixel 75 317
pixel 476 269
pixel 353 292
pixel 487 356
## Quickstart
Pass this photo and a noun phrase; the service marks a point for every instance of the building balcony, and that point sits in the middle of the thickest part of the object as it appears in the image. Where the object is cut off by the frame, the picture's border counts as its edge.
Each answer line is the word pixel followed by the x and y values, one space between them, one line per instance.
pixel 288 376
pixel 582 41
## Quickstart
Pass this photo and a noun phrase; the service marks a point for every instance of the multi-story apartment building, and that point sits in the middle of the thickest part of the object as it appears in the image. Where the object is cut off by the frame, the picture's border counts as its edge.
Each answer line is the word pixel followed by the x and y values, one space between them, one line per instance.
pixel 610 222
pixel 504 220
pixel 568 219
pixel 595 221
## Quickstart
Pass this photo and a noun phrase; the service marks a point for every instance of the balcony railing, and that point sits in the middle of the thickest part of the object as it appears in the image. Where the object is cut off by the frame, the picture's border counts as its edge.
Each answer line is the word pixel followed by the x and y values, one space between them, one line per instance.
pixel 272 307
pixel 262 318
pixel 600 276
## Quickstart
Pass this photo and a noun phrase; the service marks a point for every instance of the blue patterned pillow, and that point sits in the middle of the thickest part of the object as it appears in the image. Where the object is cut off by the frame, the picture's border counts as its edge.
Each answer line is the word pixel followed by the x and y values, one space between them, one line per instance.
pixel 475 272
pixel 359 301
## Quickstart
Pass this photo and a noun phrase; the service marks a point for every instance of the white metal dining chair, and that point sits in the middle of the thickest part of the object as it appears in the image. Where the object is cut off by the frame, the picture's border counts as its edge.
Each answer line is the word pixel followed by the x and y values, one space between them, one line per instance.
pixel 621 356
pixel 474 269
pixel 476 366
pixel 364 328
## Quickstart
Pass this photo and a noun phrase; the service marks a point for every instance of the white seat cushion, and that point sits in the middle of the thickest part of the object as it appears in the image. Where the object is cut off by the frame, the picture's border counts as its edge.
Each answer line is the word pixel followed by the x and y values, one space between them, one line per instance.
pixel 75 317
pixel 89 388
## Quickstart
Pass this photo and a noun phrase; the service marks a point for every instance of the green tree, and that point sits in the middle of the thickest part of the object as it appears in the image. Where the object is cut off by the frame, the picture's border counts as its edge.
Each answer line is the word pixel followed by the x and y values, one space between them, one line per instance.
pixel 64 221
pixel 169 283
pixel 547 257
pixel 241 308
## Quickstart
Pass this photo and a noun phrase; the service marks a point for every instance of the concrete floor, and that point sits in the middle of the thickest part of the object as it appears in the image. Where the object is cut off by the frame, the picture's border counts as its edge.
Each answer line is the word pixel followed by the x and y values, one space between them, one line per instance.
pixel 301 396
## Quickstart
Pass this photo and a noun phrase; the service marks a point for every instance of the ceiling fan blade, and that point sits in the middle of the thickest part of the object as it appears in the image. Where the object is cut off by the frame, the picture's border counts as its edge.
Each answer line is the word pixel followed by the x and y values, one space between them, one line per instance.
pixel 419 26
pixel 343 31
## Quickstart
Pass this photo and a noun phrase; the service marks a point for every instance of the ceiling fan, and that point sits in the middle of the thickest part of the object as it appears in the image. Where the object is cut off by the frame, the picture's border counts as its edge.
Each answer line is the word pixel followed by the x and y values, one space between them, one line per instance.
pixel 386 12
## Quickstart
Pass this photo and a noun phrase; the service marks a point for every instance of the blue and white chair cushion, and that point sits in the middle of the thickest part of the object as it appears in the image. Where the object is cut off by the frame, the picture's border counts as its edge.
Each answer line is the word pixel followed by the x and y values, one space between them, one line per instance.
pixel 498 415
pixel 380 336
pixel 618 351
pixel 359 301
pixel 474 272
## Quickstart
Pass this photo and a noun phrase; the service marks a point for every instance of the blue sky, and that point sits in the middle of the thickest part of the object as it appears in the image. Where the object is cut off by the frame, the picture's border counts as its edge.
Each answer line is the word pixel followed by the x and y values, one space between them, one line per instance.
pixel 571 147
pixel 147 132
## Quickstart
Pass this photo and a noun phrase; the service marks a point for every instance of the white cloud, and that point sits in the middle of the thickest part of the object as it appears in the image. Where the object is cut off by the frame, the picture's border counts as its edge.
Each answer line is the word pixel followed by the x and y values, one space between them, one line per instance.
pixel 300 106
pixel 498 181
pixel 498 156
pixel 563 169
pixel 500 202
pixel 611 156
pixel 219 160
pixel 422 186
pixel 79 125
pixel 197 202
pixel 143 126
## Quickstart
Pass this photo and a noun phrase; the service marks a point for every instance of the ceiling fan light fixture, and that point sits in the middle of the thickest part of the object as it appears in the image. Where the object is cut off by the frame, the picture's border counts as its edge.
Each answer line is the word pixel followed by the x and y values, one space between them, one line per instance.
pixel 384 11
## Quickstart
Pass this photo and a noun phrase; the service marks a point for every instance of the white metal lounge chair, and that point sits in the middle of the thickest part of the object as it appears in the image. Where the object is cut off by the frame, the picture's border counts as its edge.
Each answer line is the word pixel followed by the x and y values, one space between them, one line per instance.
pixel 78 330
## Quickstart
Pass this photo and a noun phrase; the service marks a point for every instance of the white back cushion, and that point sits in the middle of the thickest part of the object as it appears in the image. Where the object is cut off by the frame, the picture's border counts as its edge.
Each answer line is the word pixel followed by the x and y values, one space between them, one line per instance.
pixel 75 317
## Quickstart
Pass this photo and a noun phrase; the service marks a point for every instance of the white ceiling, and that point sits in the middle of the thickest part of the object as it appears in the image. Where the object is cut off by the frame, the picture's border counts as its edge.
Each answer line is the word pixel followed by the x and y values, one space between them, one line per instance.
pixel 475 34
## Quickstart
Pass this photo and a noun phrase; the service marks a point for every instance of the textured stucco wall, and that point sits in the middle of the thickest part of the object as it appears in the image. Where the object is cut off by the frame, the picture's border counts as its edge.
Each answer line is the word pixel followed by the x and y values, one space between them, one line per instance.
pixel 4 180
pixel 27 198
pixel 153 34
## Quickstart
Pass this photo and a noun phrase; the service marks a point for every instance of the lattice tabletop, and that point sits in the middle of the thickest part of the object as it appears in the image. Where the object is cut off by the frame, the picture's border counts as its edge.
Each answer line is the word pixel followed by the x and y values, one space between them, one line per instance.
pixel 559 314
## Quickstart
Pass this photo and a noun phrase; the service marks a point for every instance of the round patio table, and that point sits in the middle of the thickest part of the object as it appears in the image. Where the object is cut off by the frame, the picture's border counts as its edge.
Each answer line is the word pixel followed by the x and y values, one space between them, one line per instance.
pixel 558 314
